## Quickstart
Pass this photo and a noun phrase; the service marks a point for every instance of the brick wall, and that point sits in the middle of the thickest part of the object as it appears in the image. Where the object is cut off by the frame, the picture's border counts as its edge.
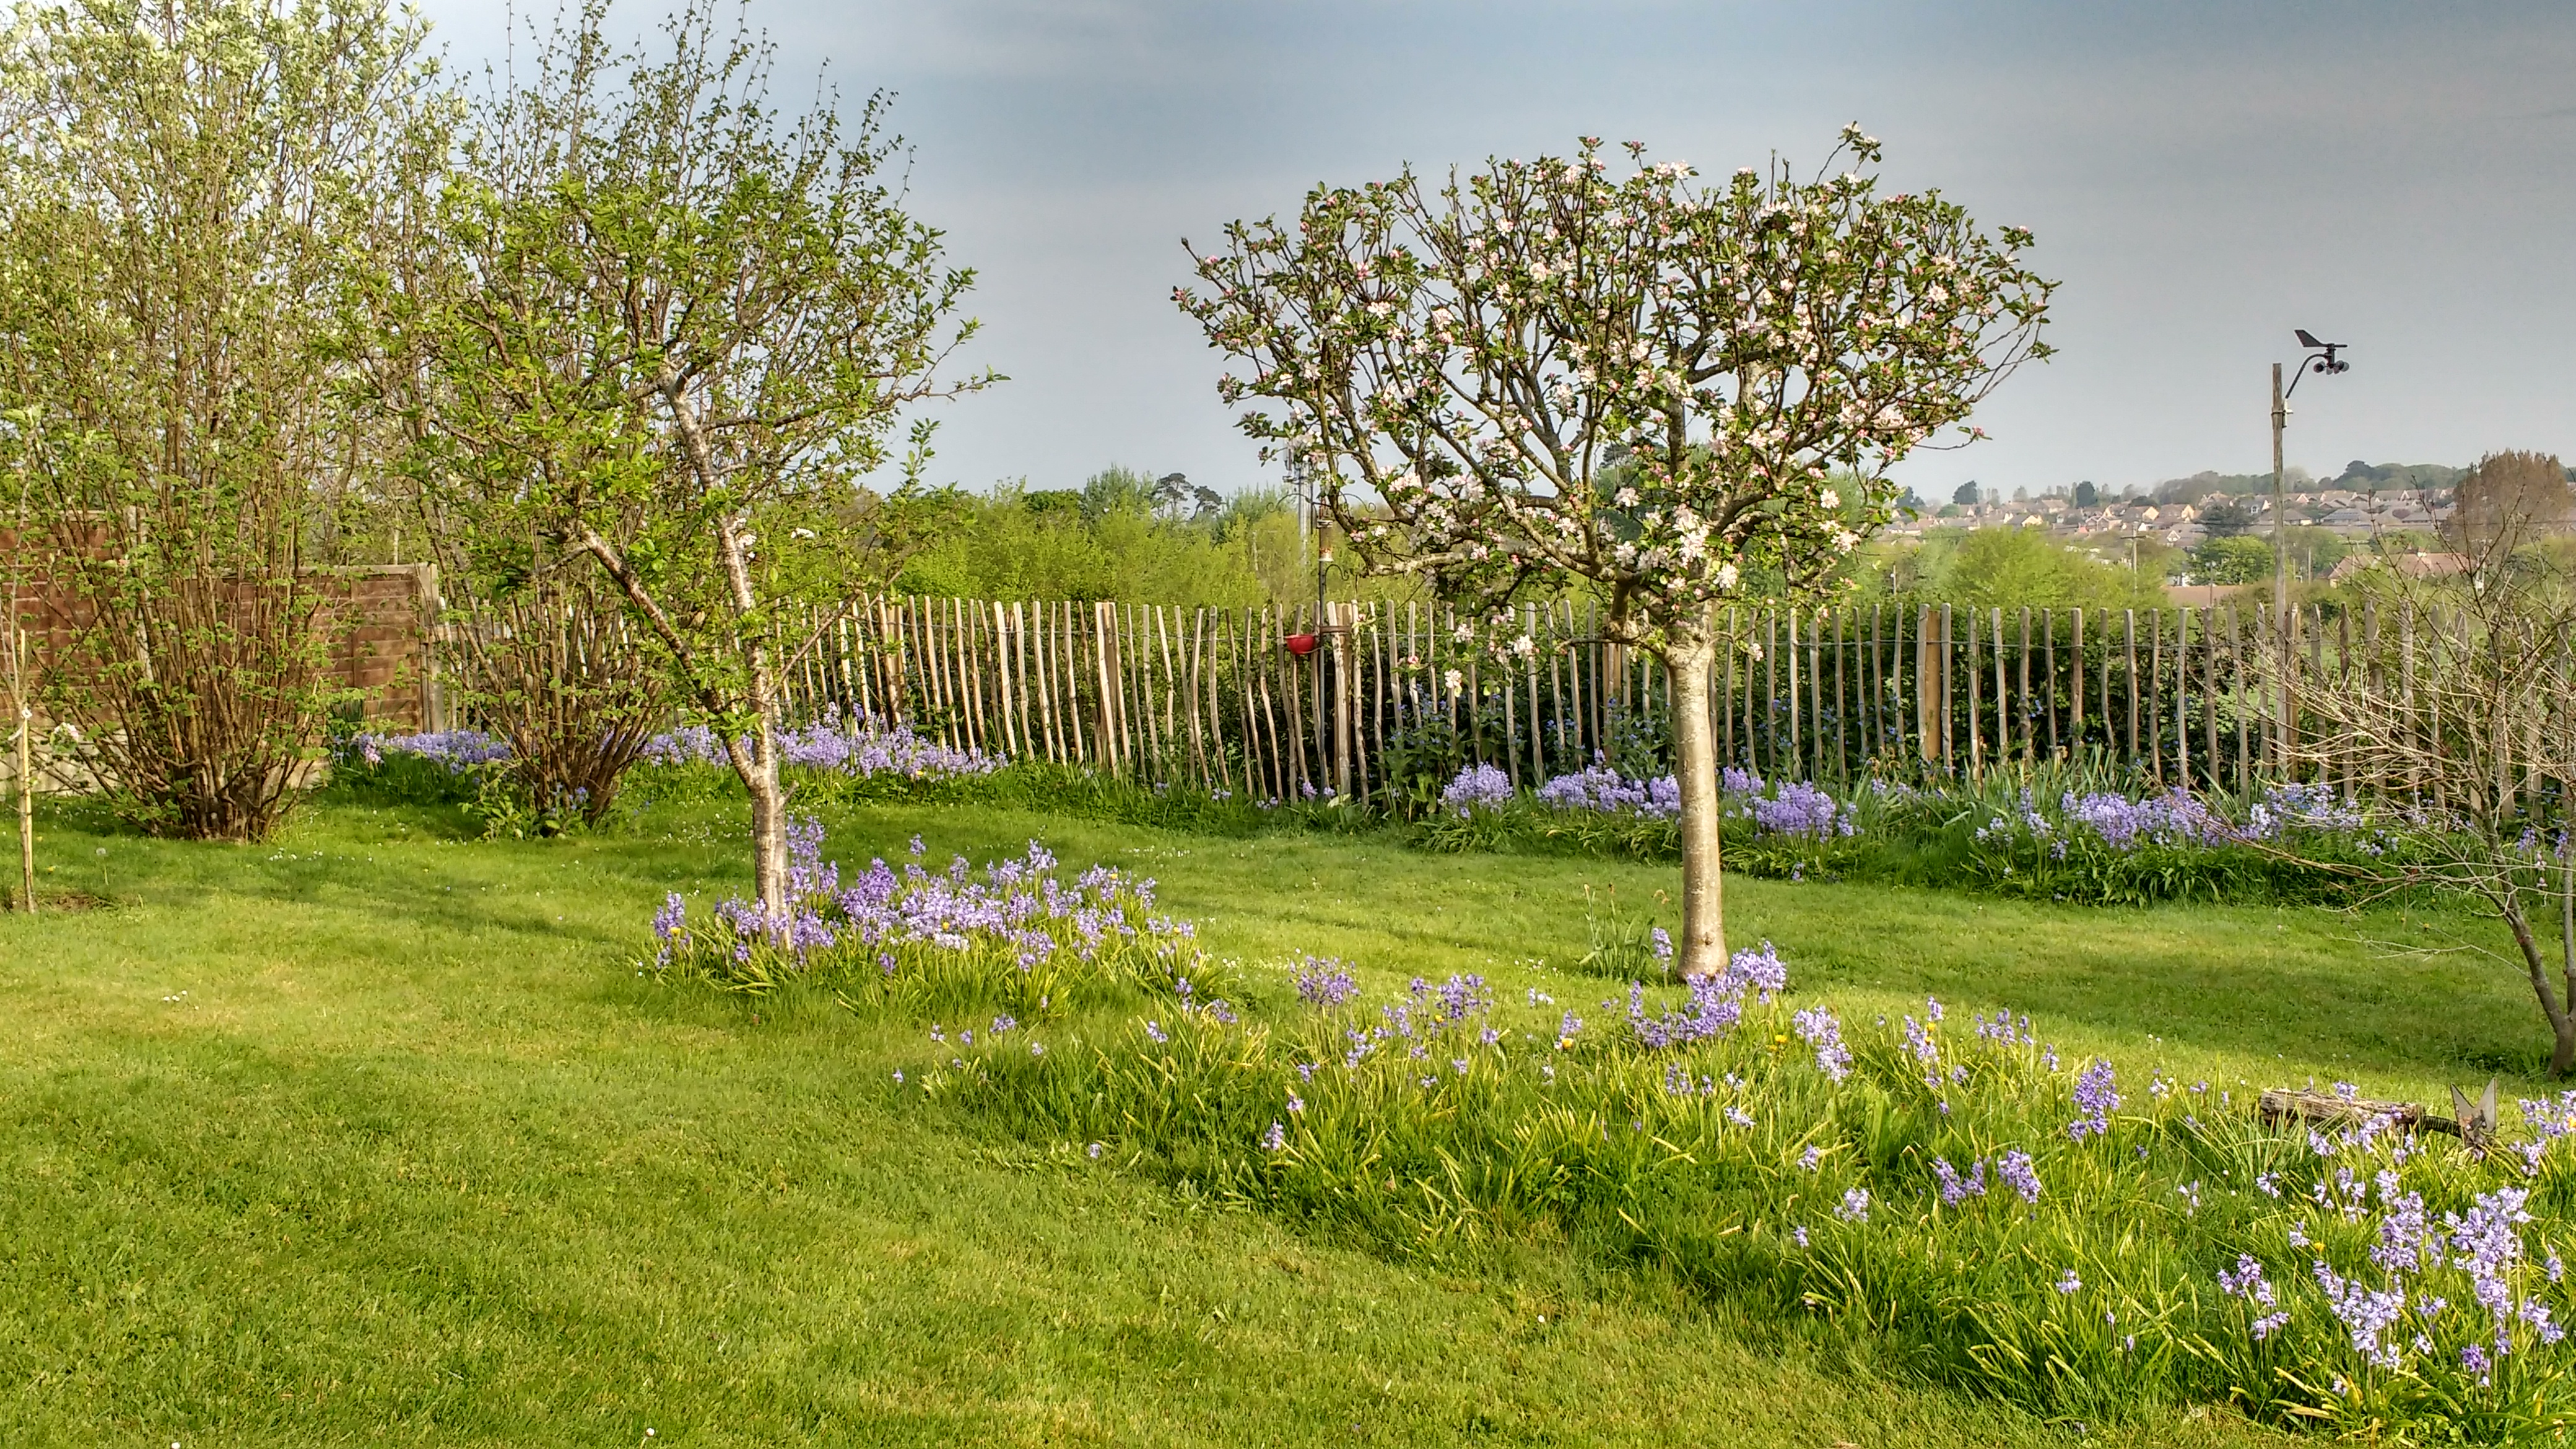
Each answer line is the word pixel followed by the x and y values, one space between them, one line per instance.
pixel 375 621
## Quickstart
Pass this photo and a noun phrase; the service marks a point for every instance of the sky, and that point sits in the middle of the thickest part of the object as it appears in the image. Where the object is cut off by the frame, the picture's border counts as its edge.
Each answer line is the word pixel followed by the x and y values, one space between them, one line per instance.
pixel 2202 178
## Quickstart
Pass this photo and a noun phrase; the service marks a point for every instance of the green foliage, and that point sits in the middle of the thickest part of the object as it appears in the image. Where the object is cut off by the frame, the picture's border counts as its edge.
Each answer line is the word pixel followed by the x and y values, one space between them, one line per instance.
pixel 2232 559
pixel 2009 568
pixel 185 210
pixel 1128 537
pixel 2315 551
pixel 1107 542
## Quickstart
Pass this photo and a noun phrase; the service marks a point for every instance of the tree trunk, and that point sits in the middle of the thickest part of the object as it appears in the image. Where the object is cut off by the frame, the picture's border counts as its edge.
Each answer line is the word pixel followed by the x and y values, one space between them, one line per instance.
pixel 1690 653
pixel 768 821
pixel 2567 957
pixel 760 771
pixel 2562 1021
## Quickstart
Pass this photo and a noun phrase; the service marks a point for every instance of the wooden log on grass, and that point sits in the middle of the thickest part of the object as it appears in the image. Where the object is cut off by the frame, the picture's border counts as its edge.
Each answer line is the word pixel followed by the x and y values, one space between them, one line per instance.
pixel 2472 1122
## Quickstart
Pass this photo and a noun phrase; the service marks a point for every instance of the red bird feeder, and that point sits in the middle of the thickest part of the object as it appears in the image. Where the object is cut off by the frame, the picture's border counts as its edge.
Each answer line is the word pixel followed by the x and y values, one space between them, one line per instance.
pixel 1300 645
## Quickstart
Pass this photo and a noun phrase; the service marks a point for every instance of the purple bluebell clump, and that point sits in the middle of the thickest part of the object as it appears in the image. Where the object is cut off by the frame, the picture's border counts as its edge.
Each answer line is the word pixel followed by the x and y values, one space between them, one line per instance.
pixel 2297 806
pixel 2174 818
pixel 1604 789
pixel 1016 913
pixel 459 750
pixel 670 928
pixel 1478 787
pixel 1715 1003
pixel 1803 810
pixel 1817 1028
pixel 844 745
pixel 2367 1314
pixel 1325 981
pixel 2018 1173
pixel 1957 1187
pixel 2096 1096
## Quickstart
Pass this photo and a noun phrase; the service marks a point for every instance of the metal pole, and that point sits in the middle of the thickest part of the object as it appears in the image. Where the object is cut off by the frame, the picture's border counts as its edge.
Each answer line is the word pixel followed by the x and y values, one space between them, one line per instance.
pixel 2281 563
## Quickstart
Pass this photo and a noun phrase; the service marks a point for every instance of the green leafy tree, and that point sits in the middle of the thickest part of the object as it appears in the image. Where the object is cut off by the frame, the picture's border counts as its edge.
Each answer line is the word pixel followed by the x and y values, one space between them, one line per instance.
pixel 663 331
pixel 2227 518
pixel 1109 541
pixel 1462 367
pixel 2314 551
pixel 2087 496
pixel 2022 567
pixel 1965 495
pixel 2232 559
pixel 186 200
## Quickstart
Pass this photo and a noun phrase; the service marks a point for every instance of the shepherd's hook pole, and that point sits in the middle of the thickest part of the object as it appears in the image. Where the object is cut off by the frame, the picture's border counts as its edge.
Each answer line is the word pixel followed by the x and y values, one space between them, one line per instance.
pixel 2281 563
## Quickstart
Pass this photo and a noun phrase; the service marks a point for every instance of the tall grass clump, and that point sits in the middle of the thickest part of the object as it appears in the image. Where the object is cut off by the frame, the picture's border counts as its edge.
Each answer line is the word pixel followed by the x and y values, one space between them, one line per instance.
pixel 2068 1235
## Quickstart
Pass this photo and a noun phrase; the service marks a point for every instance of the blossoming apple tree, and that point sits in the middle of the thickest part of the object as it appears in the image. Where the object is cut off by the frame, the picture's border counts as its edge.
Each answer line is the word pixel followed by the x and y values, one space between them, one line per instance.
pixel 1547 375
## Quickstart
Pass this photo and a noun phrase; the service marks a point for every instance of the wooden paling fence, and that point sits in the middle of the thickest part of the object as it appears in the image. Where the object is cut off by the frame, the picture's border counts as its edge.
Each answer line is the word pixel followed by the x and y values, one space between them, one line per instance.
pixel 1215 697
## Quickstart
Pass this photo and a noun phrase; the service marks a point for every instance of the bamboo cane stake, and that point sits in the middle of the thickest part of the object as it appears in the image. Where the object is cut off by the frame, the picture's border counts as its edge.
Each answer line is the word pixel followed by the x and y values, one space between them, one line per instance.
pixel 2236 694
pixel 1976 684
pixel 1556 683
pixel 2129 681
pixel 2182 691
pixel 1280 787
pixel 1876 684
pixel 26 773
pixel 2029 708
pixel 1732 631
pixel 1390 702
pixel 2156 689
pixel 2075 686
pixel 1926 684
pixel 2374 679
pixel 2406 696
pixel 2182 695
pixel 2003 726
pixel 1537 750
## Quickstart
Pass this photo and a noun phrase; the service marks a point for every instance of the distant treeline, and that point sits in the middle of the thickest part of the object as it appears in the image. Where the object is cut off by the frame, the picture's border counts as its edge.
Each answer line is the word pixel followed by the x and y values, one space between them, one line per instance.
pixel 1128 536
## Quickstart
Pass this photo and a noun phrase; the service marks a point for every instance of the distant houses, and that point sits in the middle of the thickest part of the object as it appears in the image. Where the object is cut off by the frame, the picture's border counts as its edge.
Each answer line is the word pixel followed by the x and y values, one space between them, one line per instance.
pixel 2353 514
pixel 2407 565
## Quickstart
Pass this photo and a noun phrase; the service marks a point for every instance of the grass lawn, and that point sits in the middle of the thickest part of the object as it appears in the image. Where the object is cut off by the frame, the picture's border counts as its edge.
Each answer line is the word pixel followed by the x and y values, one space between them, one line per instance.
pixel 377 1136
